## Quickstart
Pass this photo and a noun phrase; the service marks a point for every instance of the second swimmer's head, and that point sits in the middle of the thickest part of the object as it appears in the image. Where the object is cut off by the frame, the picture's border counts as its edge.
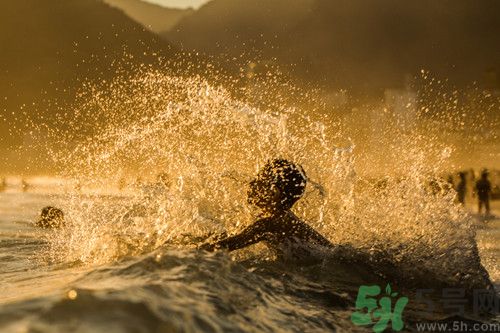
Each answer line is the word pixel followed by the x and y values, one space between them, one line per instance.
pixel 51 217
pixel 277 186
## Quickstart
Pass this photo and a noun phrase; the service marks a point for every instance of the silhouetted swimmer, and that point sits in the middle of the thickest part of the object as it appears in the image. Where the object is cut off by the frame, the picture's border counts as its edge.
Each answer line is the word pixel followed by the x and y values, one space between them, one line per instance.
pixel 483 190
pixel 278 185
pixel 51 217
pixel 461 188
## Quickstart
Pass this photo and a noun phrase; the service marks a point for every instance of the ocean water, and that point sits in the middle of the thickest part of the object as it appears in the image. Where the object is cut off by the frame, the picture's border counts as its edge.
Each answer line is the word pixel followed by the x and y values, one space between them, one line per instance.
pixel 176 288
pixel 127 260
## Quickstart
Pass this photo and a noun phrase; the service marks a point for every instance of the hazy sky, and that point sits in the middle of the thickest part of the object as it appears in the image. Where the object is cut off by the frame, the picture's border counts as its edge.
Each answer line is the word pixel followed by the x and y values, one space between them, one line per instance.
pixel 179 3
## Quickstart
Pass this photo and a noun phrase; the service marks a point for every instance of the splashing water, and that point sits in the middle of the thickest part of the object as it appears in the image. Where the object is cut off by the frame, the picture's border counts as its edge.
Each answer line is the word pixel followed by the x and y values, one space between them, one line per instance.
pixel 210 144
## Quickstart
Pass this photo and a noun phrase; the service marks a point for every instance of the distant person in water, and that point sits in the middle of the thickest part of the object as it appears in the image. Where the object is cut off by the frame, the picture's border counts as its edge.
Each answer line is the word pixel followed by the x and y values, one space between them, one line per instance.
pixel 461 188
pixel 278 185
pixel 51 217
pixel 483 190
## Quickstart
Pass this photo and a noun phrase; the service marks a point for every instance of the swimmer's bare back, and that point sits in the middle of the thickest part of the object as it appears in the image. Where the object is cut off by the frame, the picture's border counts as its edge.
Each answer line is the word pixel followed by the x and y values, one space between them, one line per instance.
pixel 273 230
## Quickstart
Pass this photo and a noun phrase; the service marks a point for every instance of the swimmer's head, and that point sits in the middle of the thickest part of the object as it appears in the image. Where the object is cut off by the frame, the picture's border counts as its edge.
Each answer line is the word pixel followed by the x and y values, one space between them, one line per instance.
pixel 51 217
pixel 278 185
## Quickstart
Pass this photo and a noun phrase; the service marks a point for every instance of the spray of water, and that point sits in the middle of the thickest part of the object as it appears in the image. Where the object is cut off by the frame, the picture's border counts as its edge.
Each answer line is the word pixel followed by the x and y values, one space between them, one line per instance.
pixel 207 144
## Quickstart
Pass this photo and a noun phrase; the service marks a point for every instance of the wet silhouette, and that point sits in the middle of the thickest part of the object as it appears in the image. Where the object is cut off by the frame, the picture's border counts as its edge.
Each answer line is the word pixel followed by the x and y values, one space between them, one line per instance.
pixel 483 190
pixel 51 217
pixel 278 185
pixel 461 188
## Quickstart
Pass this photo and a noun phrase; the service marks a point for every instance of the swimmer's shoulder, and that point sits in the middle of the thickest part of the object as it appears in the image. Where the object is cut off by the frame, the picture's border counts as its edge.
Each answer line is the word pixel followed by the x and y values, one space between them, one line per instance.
pixel 297 228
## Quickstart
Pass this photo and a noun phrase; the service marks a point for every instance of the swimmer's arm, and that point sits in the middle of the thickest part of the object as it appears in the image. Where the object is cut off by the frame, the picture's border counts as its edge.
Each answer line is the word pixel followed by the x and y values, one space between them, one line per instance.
pixel 250 235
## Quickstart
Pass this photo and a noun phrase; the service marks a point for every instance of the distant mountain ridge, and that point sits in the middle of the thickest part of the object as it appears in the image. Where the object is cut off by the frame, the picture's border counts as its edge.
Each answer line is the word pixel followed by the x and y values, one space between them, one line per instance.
pixel 50 47
pixel 355 44
pixel 154 17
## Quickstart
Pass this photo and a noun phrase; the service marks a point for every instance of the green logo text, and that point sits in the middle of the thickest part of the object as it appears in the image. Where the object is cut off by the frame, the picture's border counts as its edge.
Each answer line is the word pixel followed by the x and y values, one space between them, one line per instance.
pixel 379 310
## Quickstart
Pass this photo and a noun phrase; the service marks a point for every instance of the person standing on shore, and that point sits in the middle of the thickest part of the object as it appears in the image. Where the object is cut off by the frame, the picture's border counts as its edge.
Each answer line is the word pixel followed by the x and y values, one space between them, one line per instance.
pixel 483 190
pixel 461 188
